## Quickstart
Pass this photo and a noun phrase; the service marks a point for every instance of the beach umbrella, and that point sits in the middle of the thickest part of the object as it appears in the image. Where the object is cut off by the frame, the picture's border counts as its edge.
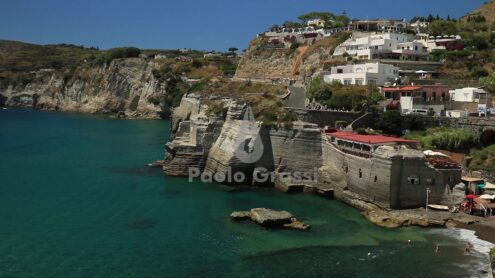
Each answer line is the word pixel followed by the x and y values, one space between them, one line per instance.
pixel 471 196
pixel 487 197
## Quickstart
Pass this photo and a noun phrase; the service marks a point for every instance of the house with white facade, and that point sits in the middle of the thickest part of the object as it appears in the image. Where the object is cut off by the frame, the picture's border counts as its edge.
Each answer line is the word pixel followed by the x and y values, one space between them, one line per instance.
pixel 317 22
pixel 450 42
pixel 363 74
pixel 160 56
pixel 367 46
pixel 379 25
pixel 468 94
pixel 471 100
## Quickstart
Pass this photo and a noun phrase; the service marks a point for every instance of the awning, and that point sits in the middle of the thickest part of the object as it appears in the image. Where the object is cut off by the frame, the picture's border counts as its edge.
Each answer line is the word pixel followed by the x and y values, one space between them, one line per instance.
pixel 470 179
pixel 490 186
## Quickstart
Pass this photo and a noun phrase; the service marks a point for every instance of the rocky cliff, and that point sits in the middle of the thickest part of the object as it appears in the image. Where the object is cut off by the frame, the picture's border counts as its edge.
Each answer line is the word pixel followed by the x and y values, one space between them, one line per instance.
pixel 123 87
pixel 264 62
pixel 219 147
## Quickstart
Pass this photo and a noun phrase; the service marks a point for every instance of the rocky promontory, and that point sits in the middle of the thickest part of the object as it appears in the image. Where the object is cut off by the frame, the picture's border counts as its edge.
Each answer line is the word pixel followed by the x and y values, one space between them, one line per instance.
pixel 124 87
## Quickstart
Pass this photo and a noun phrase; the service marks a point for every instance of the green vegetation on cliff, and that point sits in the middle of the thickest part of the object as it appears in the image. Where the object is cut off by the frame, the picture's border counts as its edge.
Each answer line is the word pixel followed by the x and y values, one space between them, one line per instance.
pixel 444 138
pixel 483 159
pixel 339 96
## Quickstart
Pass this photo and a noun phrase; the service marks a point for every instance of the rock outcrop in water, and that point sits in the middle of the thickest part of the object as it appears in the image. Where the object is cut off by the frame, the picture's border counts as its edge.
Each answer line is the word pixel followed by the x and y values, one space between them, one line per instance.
pixel 270 218
pixel 124 87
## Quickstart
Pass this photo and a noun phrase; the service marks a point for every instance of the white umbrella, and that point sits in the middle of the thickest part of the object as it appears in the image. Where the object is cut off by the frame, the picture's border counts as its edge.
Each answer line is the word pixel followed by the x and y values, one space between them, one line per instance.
pixel 487 197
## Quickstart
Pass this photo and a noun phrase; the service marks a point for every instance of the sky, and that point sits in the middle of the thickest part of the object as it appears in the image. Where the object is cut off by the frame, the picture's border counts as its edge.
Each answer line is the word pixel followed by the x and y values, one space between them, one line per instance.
pixel 196 24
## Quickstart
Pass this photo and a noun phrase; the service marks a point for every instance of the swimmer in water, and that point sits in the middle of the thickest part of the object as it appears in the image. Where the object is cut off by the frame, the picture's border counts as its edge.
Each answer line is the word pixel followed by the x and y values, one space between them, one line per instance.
pixel 468 247
pixel 437 248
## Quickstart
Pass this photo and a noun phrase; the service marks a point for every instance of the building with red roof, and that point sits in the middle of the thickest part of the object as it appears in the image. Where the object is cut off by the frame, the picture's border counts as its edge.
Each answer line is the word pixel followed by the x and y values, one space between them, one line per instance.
pixel 419 97
pixel 388 170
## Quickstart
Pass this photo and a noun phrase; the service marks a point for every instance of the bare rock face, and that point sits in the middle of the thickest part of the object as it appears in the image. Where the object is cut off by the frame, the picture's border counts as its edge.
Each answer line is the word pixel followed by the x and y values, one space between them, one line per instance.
pixel 271 218
pixel 125 85
pixel 242 146
pixel 259 63
pixel 195 134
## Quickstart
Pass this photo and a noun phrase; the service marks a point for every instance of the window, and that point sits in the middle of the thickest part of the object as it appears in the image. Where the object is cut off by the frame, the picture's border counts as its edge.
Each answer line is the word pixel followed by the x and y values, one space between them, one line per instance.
pixel 360 173
pixel 359 81
pixel 347 81
pixel 413 180
pixel 430 181
pixel 376 178
pixel 340 70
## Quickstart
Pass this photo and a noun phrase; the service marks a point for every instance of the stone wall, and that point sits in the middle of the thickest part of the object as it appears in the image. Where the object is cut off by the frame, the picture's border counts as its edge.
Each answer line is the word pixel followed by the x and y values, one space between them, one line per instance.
pixel 358 174
pixel 405 195
pixel 383 179
pixel 325 118
pixel 297 149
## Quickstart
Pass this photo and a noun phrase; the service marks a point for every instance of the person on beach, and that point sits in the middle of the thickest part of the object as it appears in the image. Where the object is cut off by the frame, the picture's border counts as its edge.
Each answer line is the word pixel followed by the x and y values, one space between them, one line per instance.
pixel 437 248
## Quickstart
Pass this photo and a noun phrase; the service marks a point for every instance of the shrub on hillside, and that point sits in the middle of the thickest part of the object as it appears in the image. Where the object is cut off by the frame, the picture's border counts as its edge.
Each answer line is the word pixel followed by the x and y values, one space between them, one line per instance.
pixel 451 139
pixel 389 122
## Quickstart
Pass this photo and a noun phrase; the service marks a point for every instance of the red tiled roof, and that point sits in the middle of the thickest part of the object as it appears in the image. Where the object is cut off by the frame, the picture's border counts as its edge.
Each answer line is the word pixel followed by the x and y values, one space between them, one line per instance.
pixel 368 139
pixel 401 89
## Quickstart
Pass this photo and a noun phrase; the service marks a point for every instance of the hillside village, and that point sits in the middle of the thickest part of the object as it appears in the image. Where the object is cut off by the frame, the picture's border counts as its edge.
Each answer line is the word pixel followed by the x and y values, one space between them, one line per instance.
pixel 377 105
pixel 396 103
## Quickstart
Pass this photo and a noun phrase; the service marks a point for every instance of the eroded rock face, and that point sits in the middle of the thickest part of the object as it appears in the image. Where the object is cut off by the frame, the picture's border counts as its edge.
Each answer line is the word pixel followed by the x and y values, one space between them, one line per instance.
pixel 194 135
pixel 124 86
pixel 240 148
pixel 222 147
pixel 270 218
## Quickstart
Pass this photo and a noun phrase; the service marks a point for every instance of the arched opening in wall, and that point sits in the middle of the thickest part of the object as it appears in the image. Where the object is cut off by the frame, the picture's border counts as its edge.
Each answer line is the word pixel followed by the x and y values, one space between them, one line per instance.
pixel 487 138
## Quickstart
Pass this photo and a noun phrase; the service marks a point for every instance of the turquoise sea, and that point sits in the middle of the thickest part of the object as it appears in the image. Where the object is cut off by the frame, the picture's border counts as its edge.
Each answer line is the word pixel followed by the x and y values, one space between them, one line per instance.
pixel 77 200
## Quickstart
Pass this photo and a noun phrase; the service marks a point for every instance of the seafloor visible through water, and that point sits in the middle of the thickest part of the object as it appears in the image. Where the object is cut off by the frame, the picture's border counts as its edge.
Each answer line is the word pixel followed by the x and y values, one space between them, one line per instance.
pixel 76 200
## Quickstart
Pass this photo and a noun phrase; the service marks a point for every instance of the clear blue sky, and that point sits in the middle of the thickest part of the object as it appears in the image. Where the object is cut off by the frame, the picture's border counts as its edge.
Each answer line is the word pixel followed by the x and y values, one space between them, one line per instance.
pixel 198 24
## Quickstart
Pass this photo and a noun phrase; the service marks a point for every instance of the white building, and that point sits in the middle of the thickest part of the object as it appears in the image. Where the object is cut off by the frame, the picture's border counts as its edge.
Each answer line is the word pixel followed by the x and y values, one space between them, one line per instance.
pixel 317 22
pixel 363 74
pixel 382 45
pixel 419 24
pixel 468 95
pixel 440 42
pixel 160 56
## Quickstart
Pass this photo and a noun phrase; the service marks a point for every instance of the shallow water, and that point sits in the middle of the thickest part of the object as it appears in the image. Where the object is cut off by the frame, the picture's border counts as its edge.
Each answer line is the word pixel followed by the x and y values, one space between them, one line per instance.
pixel 76 200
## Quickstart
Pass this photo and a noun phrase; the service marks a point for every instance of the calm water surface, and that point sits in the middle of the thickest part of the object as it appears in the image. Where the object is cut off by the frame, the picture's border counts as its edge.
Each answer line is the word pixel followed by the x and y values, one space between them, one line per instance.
pixel 76 200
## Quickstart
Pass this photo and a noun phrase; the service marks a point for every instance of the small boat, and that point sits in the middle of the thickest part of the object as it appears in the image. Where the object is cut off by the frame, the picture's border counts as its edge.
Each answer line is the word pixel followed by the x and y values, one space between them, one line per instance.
pixel 438 207
pixel 4 108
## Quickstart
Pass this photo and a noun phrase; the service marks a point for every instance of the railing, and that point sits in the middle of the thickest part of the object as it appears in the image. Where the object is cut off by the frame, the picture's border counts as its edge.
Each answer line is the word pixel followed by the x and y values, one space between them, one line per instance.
pixel 354 152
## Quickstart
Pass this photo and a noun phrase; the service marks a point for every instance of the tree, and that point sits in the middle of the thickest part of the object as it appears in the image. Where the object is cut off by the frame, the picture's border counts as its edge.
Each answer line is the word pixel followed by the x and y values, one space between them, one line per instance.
pixel 442 27
pixel 233 49
pixel 319 90
pixel 489 83
pixel 389 122
pixel 292 24
pixel 479 42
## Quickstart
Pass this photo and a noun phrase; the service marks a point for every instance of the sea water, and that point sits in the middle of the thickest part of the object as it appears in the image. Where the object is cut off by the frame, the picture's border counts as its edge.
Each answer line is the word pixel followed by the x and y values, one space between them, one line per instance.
pixel 77 200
